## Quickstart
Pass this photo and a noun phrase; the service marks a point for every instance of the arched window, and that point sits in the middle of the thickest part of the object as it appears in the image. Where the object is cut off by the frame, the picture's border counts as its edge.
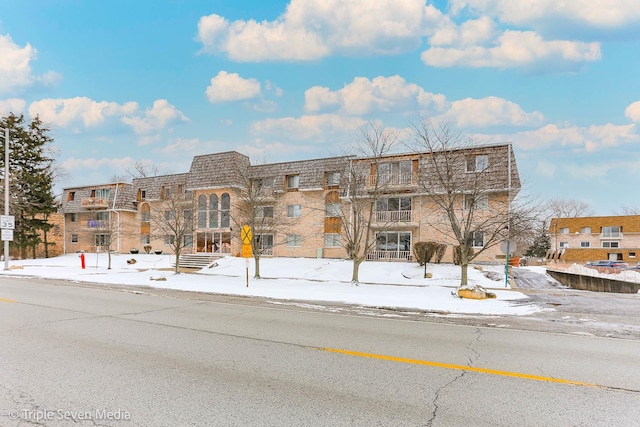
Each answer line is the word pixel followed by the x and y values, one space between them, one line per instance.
pixel 202 211
pixel 213 211
pixel 225 207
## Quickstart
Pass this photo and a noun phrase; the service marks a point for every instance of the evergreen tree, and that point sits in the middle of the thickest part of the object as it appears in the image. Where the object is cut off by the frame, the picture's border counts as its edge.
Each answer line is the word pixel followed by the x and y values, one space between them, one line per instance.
pixel 541 244
pixel 31 181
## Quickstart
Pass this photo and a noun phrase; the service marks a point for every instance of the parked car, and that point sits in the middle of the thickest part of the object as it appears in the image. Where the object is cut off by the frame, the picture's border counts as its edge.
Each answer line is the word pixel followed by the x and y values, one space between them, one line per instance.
pixel 607 263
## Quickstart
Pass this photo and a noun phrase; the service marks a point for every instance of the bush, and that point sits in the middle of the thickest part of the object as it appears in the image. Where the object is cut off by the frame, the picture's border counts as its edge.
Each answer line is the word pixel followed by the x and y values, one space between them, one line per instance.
pixel 420 252
pixel 147 248
pixel 424 252
pixel 457 254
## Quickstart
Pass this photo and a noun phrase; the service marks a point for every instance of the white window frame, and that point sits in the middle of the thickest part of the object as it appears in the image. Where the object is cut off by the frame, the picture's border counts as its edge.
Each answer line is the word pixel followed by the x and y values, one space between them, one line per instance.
pixel 609 244
pixel 585 244
pixel 293 182
pixel 474 239
pixel 332 179
pixel 564 245
pixel 481 202
pixel 585 230
pixel 145 239
pixel 294 240
pixel 612 232
pixel 169 239
pixel 332 210
pixel 477 163
pixel 264 211
pixel 294 211
pixel 564 230
pixel 332 240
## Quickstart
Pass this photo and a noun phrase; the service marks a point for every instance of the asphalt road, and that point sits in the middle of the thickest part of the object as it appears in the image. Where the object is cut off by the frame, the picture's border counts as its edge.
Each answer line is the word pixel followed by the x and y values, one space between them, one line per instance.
pixel 78 355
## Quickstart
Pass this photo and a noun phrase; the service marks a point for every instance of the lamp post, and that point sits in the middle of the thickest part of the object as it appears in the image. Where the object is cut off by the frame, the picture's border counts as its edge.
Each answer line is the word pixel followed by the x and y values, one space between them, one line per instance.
pixel 6 191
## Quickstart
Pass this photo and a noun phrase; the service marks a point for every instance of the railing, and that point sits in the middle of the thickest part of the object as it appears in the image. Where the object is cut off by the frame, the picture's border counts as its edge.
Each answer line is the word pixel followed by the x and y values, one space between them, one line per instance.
pixel 611 235
pixel 94 202
pixel 97 223
pixel 390 256
pixel 391 179
pixel 393 216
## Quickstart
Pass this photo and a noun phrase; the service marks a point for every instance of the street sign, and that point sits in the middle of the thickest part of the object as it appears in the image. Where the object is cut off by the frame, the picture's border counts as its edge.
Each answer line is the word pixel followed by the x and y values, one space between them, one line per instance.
pixel 7 222
pixel 246 251
pixel 7 235
pixel 509 245
pixel 246 235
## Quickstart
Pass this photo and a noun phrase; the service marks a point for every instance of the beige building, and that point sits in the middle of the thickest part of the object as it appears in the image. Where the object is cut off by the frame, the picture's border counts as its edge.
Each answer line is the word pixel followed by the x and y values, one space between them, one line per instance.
pixel 595 238
pixel 298 209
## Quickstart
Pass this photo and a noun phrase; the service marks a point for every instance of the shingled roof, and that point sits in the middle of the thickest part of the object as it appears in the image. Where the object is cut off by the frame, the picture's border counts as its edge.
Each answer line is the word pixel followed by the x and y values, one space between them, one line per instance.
pixel 311 171
pixel 152 186
pixel 218 170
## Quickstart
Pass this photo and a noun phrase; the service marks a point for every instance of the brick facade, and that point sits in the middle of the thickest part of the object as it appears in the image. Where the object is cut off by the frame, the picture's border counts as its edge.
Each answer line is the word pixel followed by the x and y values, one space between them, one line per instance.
pixel 298 199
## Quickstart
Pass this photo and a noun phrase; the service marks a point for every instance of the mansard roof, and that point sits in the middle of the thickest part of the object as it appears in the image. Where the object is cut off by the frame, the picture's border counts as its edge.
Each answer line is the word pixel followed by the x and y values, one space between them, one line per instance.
pixel 152 186
pixel 218 170
pixel 311 172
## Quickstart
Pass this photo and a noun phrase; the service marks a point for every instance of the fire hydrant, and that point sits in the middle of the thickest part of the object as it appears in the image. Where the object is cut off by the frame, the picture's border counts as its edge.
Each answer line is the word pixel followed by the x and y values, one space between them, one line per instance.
pixel 82 261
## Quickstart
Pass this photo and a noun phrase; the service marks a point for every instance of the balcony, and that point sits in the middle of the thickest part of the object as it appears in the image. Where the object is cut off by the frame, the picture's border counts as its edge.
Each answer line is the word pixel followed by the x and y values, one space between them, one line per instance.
pixel 611 235
pixel 390 256
pixel 393 179
pixel 94 202
pixel 394 216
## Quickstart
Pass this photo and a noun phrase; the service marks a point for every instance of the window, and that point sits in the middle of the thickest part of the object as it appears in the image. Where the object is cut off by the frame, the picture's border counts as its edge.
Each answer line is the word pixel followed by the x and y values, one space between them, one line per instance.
pixel 332 179
pixel 476 239
pixel 564 230
pixel 169 215
pixel 187 240
pixel 213 211
pixel 293 181
pixel 145 216
pixel 202 211
pixel 393 209
pixel 332 240
pixel 610 244
pixel 480 203
pixel 225 206
pixel 294 211
pixel 611 232
pixel 71 196
pixel 166 193
pixel 564 245
pixel 102 193
pixel 632 254
pixel 264 212
pixel 332 210
pixel 393 241
pixel 102 240
pixel 585 230
pixel 395 173
pixel 187 214
pixel 145 239
pixel 477 163
pixel 294 240
pixel 74 238
pixel 143 194
pixel 169 239
pixel 73 217
pixel 585 244
pixel 264 243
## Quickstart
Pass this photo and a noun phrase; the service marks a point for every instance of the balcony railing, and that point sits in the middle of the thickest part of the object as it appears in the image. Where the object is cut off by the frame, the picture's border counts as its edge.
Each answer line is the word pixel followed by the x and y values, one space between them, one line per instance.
pixel 611 235
pixel 394 216
pixel 390 256
pixel 94 202
pixel 392 179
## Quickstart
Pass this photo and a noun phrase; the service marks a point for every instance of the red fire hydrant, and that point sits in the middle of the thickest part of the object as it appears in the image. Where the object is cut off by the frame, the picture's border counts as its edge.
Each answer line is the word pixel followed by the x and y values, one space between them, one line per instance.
pixel 82 261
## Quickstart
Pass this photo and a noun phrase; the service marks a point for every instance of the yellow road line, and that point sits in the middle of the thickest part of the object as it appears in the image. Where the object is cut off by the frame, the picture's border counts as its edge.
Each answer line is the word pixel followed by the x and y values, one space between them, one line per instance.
pixel 6 300
pixel 458 367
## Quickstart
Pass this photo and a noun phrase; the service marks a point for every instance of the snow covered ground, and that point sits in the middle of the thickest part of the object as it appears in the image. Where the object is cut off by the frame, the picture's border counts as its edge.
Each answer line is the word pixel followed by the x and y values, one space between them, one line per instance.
pixel 383 284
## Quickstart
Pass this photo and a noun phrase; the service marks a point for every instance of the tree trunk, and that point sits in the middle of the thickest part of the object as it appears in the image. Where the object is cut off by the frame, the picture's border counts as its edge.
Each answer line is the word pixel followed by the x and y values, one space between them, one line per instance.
pixel 356 269
pixel 46 244
pixel 463 273
pixel 257 269
pixel 109 258
pixel 177 263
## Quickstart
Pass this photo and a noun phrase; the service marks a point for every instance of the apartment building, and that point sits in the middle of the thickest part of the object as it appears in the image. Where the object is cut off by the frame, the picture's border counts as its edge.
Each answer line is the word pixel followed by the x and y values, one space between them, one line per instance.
pixel 585 239
pixel 298 208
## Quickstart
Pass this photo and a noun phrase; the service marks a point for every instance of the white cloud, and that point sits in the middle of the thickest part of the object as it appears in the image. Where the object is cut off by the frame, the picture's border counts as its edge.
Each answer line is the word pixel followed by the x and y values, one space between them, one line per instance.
pixel 472 32
pixel 382 94
pixel 324 126
pixel 590 139
pixel 227 87
pixel 516 49
pixel 181 146
pixel 15 67
pixel 67 111
pixel 155 118
pixel 490 111
pixel 12 105
pixel 310 30
pixel 633 111
pixel 75 164
pixel 591 13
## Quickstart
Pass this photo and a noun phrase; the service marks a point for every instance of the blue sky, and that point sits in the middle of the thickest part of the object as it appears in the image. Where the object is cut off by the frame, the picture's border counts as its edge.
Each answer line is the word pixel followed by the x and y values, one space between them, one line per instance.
pixel 161 81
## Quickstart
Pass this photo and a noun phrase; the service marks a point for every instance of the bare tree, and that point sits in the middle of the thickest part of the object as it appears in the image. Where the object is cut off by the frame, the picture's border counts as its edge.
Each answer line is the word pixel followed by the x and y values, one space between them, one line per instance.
pixel 471 207
pixel 172 219
pixel 363 185
pixel 628 210
pixel 566 208
pixel 256 206
pixel 108 228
